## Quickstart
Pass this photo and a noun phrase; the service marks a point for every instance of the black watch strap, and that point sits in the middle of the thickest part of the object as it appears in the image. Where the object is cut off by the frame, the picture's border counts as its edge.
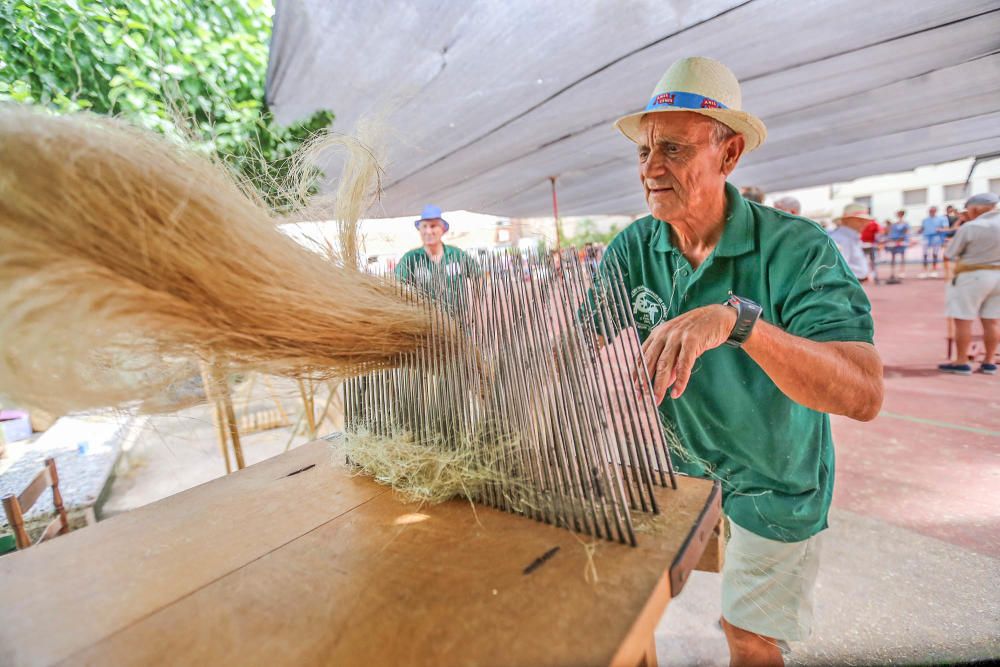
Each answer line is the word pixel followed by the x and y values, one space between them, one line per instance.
pixel 747 312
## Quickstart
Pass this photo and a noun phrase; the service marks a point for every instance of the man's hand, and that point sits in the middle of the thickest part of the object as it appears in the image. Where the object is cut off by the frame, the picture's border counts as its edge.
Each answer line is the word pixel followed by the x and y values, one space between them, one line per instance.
pixel 673 346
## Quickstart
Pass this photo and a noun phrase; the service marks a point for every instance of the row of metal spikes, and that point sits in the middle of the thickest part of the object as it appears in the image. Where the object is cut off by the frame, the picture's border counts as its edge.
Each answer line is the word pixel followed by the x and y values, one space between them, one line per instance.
pixel 531 364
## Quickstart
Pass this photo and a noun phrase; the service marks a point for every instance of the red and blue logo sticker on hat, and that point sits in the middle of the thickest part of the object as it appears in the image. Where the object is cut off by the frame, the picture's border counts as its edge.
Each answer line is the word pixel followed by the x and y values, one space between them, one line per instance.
pixel 683 100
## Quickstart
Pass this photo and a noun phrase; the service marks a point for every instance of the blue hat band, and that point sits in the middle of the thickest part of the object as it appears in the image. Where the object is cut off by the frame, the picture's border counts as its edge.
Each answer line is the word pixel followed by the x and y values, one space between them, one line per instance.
pixel 683 100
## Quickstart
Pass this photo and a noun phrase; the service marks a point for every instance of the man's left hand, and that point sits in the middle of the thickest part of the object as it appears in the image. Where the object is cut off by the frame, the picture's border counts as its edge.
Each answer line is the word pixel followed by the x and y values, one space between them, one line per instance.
pixel 673 346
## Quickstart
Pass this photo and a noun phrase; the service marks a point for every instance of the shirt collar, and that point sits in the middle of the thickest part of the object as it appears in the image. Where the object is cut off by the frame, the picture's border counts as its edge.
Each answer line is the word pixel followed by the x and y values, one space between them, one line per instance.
pixel 986 217
pixel 444 251
pixel 738 237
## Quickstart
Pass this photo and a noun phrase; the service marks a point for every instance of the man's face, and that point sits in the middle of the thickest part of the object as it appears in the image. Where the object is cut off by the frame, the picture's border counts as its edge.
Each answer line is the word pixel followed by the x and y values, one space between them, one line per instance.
pixel 856 224
pixel 787 208
pixel 933 211
pixel 680 166
pixel 974 211
pixel 431 231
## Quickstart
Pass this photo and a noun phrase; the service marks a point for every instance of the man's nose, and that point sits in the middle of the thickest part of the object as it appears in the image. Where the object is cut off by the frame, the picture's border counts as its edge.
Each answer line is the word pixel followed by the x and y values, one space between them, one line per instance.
pixel 653 167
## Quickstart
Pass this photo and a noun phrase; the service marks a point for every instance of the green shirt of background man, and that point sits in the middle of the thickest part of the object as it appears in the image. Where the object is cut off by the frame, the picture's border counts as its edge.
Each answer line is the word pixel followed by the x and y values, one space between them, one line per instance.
pixel 456 266
pixel 774 457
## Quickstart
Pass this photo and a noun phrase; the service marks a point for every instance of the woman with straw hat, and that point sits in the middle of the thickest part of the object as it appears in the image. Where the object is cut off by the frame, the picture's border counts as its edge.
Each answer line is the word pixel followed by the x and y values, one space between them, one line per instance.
pixel 761 331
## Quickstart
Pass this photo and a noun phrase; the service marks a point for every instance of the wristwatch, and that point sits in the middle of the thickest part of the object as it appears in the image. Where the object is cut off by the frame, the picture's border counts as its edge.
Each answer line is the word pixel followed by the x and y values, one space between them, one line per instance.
pixel 747 312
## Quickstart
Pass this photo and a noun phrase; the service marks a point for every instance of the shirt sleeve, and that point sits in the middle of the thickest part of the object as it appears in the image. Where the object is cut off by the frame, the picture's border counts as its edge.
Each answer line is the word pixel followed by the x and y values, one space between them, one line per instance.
pixel 824 301
pixel 958 243
pixel 403 268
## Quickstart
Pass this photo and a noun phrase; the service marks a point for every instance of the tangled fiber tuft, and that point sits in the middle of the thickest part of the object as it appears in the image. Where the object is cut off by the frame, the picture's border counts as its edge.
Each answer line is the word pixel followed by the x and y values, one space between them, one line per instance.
pixel 425 470
pixel 125 258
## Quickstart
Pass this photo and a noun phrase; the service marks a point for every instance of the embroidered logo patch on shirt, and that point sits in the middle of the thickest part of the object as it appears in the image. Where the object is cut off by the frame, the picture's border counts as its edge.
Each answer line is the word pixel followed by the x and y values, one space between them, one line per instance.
pixel 647 308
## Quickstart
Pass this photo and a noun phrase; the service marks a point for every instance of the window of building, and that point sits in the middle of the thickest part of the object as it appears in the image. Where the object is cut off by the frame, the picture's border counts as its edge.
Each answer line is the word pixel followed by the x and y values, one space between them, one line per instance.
pixel 995 186
pixel 915 197
pixel 865 200
pixel 954 192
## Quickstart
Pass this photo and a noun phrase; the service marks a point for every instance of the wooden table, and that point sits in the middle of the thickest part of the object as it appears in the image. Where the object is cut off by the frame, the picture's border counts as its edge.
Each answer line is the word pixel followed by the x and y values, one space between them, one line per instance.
pixel 295 561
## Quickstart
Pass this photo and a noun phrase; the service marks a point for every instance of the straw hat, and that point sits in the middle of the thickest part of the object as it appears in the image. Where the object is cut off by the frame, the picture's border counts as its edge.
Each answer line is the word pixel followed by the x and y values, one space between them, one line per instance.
pixel 704 86
pixel 859 211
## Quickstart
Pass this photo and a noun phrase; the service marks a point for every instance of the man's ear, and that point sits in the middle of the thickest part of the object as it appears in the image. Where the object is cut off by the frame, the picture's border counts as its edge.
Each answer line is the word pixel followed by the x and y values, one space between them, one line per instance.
pixel 731 152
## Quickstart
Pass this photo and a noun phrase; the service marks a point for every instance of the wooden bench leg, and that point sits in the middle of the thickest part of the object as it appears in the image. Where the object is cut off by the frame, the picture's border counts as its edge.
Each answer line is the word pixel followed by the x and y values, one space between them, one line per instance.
pixel 715 552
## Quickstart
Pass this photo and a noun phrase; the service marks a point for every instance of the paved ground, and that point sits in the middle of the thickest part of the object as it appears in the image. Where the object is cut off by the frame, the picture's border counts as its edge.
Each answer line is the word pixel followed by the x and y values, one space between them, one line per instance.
pixel 911 565
pixel 84 448
pixel 179 451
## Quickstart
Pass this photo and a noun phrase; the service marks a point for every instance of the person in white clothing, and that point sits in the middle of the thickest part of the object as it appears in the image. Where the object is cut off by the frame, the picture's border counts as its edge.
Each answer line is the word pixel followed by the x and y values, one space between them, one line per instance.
pixel 847 236
pixel 974 292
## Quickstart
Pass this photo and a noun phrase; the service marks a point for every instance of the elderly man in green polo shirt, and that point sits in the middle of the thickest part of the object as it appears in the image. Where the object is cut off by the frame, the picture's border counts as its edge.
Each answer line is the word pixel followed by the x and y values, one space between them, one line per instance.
pixel 759 331
pixel 436 267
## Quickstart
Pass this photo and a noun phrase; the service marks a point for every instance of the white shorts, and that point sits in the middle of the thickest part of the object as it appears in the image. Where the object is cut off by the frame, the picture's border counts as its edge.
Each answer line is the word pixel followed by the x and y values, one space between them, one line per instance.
pixel 767 586
pixel 974 294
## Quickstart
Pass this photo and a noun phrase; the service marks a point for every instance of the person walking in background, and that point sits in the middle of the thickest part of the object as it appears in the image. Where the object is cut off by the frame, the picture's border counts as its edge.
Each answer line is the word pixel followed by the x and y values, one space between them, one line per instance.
pixel 975 289
pixel 932 231
pixel 753 193
pixel 954 218
pixel 951 213
pixel 871 235
pixel 789 205
pixel 847 236
pixel 897 239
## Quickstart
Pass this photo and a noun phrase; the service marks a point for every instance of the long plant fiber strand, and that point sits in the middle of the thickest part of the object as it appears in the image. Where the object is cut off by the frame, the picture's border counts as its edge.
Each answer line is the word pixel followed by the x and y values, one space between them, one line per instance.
pixel 125 258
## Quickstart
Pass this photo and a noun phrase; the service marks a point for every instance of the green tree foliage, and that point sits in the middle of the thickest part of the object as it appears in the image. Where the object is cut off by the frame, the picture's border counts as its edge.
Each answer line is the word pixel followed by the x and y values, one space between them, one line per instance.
pixel 156 62
pixel 587 232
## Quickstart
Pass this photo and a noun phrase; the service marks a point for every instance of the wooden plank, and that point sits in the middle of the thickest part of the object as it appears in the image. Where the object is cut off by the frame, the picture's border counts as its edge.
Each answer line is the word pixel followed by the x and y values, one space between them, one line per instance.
pixel 391 584
pixel 94 582
pixel 42 481
pixel 679 519
pixel 54 528
pixel 693 549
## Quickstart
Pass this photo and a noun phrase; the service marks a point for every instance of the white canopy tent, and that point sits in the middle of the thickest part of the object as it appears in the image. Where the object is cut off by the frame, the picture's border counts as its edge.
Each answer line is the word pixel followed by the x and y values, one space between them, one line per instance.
pixel 488 99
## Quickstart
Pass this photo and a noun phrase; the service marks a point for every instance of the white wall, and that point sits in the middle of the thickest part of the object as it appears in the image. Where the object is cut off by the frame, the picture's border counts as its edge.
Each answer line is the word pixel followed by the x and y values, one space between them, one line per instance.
pixel 827 202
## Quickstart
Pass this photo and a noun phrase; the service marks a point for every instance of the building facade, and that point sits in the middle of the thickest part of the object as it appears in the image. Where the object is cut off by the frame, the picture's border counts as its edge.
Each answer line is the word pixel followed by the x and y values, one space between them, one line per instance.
pixel 911 191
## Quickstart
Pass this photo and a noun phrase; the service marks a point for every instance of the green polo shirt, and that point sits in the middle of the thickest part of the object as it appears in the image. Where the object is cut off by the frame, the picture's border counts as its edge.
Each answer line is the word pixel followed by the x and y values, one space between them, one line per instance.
pixel 448 275
pixel 773 456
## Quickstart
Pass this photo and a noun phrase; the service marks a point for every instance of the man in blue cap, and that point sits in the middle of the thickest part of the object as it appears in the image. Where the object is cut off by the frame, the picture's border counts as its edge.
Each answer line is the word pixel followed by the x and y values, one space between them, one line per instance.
pixel 435 266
